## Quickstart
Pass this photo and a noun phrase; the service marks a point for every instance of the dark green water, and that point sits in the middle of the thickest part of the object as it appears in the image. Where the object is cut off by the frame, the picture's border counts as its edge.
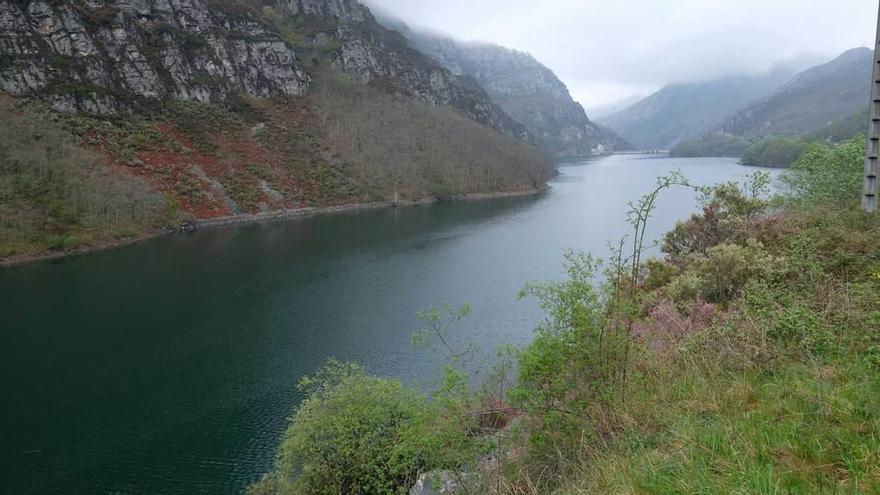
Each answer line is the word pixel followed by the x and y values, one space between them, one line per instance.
pixel 169 367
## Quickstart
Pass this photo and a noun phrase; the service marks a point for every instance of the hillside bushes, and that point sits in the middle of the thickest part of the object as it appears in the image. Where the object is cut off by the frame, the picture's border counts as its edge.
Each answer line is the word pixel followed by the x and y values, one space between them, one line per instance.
pixel 356 433
pixel 396 142
pixel 774 152
pixel 57 195
pixel 829 175
pixel 774 392
pixel 744 361
pixel 350 435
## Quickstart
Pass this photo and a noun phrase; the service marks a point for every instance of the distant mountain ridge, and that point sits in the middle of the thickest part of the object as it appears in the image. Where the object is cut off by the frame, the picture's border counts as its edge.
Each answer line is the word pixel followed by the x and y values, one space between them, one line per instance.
pixel 811 101
pixel 683 111
pixel 599 112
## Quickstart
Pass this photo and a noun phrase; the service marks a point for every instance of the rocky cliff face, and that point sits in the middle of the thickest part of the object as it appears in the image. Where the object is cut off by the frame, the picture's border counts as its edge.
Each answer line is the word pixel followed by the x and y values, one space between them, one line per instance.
pixel 226 107
pixel 345 10
pixel 347 33
pixel 525 89
pixel 108 57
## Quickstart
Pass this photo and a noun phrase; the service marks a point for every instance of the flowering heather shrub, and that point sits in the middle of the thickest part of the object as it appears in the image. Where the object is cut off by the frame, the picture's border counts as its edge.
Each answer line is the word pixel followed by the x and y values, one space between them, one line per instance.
pixel 666 325
pixel 730 216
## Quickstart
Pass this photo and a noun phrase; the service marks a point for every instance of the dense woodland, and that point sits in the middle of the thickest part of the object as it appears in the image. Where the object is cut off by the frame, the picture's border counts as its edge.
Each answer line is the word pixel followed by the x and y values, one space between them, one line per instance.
pixel 399 144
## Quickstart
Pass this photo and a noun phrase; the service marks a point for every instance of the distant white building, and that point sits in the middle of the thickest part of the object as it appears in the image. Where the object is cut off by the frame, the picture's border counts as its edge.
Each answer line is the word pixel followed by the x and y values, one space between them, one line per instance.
pixel 598 150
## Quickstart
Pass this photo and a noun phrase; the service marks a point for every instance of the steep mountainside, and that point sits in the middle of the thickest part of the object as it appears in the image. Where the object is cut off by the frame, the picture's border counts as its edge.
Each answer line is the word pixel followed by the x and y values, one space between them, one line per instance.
pixel 106 58
pixel 526 90
pixel 811 101
pixel 231 106
pixel 97 56
pixel 601 111
pixel 684 111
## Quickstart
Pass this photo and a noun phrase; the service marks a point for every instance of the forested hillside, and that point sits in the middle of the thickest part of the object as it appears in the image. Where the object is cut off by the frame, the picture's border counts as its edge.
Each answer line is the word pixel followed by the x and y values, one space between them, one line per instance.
pixel 222 107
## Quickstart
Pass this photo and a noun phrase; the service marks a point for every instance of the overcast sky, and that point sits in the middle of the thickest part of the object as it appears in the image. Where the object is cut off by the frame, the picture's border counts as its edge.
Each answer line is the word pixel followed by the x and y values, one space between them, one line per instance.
pixel 606 50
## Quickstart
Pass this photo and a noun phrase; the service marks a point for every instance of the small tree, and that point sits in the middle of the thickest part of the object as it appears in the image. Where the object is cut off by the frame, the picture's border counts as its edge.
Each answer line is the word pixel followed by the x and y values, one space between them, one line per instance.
pixel 830 175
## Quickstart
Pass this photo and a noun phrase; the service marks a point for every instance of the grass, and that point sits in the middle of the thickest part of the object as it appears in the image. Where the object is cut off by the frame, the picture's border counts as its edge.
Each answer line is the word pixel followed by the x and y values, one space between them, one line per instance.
pixel 796 428
pixel 780 395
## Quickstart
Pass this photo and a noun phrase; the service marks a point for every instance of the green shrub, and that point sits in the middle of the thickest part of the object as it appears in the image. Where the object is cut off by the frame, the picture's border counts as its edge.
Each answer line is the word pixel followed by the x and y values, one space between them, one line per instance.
pixel 686 288
pixel 344 435
pixel 355 433
pixel 800 327
pixel 720 275
pixel 830 175
pixel 728 267
pixel 660 273
pixel 573 367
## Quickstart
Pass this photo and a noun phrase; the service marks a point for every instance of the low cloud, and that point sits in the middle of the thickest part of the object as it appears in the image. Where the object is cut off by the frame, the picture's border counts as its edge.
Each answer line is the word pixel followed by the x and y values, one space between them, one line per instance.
pixel 609 49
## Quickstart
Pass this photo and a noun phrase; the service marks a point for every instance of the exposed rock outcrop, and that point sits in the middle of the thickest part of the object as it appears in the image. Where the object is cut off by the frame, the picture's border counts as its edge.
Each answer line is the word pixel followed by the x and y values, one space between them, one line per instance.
pixel 107 57
pixel 525 89
pixel 444 483
pixel 374 54
pixel 345 10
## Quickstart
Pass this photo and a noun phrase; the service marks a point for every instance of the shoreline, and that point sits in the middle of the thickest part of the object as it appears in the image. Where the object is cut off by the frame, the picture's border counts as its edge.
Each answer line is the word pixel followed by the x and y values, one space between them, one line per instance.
pixel 269 216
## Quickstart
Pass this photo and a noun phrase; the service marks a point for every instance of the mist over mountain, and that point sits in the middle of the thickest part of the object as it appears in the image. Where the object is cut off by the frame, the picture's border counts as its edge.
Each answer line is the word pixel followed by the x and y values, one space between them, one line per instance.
pixel 683 111
pixel 811 101
pixel 524 88
pixel 600 112
pixel 825 103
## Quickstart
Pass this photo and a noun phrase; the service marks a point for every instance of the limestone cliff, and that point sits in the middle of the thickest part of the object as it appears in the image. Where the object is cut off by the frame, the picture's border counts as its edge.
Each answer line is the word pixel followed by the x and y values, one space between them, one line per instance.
pixel 214 108
pixel 525 89
pixel 105 57
pixel 108 57
pixel 347 33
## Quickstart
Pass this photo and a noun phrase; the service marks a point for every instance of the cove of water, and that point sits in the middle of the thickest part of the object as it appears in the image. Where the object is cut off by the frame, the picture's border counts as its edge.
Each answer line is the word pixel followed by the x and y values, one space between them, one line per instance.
pixel 170 367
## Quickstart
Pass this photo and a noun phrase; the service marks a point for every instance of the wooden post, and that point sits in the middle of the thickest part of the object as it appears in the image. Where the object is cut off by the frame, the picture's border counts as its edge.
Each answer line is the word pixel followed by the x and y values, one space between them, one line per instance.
pixel 872 155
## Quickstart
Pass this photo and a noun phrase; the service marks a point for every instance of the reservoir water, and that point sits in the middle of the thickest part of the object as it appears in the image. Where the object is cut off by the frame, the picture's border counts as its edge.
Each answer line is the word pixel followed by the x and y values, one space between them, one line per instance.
pixel 170 366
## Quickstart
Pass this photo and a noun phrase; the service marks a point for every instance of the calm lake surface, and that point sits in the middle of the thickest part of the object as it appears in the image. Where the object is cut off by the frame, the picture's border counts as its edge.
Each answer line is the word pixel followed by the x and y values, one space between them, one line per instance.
pixel 170 367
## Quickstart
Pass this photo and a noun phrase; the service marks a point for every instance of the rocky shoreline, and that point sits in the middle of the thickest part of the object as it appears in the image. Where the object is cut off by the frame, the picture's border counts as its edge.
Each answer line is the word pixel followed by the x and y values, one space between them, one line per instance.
pixel 245 218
